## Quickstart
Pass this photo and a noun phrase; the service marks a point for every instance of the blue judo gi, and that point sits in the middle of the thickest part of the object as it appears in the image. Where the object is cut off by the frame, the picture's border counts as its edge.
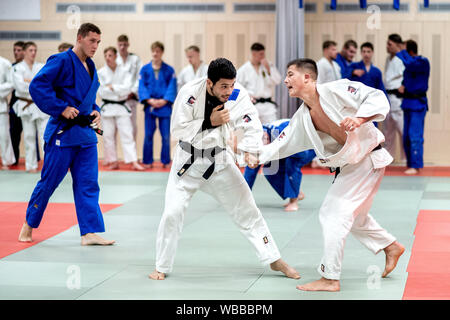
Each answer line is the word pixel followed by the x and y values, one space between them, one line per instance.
pixel 165 87
pixel 62 82
pixel 346 71
pixel 414 106
pixel 286 181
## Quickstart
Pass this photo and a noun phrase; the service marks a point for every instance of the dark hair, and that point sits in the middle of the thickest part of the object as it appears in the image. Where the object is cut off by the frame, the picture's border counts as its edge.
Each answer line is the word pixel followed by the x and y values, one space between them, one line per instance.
pixel 221 68
pixel 395 38
pixel 85 28
pixel 257 47
pixel 367 45
pixel 157 44
pixel 350 43
pixel 29 44
pixel 328 44
pixel 305 64
pixel 110 49
pixel 19 44
pixel 122 38
pixel 411 45
pixel 194 48
pixel 64 46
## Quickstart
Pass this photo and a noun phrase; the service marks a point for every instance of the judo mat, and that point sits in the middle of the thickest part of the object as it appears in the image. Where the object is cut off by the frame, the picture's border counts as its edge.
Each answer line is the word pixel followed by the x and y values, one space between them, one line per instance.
pixel 214 261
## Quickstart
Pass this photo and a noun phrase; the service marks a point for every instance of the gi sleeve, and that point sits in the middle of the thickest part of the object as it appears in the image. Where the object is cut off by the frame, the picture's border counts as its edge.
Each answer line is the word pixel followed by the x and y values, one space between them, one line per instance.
pixel 144 90
pixel 135 76
pixel 412 63
pixel 183 126
pixel 5 83
pixel 171 91
pixel 291 140
pixel 42 87
pixel 18 81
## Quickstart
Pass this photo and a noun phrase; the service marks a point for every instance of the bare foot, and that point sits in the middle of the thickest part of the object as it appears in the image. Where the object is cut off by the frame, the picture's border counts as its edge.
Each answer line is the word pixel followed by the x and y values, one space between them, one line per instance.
pixel 137 166
pixel 25 233
pixel 301 196
pixel 156 275
pixel 321 285
pixel 90 239
pixel 5 167
pixel 114 166
pixel 411 171
pixel 283 267
pixel 291 206
pixel 393 253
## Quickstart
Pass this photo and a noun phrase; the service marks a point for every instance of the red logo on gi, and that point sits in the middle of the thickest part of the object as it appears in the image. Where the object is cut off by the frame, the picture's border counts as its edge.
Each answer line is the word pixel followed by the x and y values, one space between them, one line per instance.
pixel 351 89
pixel 282 135
pixel 191 100
pixel 266 241
pixel 247 118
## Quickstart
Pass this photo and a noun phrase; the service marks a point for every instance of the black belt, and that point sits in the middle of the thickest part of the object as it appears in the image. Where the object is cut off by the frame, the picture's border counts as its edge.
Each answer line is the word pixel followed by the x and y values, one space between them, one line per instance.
pixel 262 100
pixel 406 94
pixel 122 102
pixel 209 153
pixel 80 120
pixel 338 169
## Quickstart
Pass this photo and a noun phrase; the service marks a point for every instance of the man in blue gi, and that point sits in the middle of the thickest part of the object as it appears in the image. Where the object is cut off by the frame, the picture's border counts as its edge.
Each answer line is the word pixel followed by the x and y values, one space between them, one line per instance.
pixel 157 91
pixel 286 176
pixel 414 105
pixel 66 88
pixel 345 58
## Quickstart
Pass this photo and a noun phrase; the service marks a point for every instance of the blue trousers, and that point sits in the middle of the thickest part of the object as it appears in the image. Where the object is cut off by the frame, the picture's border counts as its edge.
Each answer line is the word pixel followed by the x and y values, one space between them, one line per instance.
pixel 288 178
pixel 414 124
pixel 164 130
pixel 83 165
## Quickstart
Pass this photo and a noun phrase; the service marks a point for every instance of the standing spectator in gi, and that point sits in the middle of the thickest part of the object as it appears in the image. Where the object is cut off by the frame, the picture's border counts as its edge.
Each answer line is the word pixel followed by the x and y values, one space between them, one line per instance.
pixel 195 69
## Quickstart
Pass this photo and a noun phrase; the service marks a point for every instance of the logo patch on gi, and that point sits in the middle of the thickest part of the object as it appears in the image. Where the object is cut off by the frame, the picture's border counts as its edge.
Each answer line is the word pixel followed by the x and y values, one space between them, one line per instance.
pixel 247 118
pixel 58 142
pixel 282 135
pixel 352 89
pixel 36 206
pixel 266 241
pixel 191 101
pixel 234 95
pixel 322 267
pixel 324 160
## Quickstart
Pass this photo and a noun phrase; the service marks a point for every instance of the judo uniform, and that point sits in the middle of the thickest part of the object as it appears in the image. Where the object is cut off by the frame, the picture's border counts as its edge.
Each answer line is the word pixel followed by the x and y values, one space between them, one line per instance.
pixel 261 86
pixel 285 177
pixel 188 74
pixel 133 65
pixel 346 71
pixel 117 116
pixel 62 82
pixel 359 165
pixel 6 87
pixel 414 106
pixel 33 119
pixel 163 87
pixel 393 124
pixel 327 71
pixel 212 170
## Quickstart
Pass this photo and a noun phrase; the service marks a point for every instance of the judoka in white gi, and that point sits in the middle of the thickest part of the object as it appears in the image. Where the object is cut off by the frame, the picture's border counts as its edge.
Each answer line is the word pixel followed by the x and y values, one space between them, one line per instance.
pixel 393 78
pixel 196 68
pixel 335 120
pixel 260 77
pixel 33 119
pixel 6 88
pixel 205 112
pixel 115 87
pixel 133 64
pixel 328 69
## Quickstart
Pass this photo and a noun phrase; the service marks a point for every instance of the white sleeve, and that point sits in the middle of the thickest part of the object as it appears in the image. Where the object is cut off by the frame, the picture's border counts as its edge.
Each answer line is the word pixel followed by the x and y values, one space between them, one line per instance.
pixel 135 87
pixel 183 126
pixel 291 140
pixel 103 90
pixel 275 75
pixel 5 83
pixel 18 82
pixel 125 87
pixel 320 72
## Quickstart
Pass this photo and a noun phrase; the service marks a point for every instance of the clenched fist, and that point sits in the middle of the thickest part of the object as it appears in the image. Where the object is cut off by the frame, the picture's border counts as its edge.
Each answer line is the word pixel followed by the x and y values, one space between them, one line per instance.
pixel 70 113
pixel 219 117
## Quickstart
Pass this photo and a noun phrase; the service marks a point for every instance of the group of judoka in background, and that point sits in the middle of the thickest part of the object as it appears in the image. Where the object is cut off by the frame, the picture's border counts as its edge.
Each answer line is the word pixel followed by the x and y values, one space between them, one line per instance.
pixel 405 83
pixel 216 123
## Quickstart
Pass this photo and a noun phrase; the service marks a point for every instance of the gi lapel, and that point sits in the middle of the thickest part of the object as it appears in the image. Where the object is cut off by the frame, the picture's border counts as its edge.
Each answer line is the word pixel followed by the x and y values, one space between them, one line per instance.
pixel 86 106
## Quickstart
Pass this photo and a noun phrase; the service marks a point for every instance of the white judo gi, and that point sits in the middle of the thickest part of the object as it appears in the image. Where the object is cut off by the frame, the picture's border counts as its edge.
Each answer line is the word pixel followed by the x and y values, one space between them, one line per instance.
pixel 6 87
pixel 327 71
pixel 33 119
pixel 117 116
pixel 188 74
pixel 346 206
pixel 261 85
pixel 226 183
pixel 393 124
pixel 133 65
